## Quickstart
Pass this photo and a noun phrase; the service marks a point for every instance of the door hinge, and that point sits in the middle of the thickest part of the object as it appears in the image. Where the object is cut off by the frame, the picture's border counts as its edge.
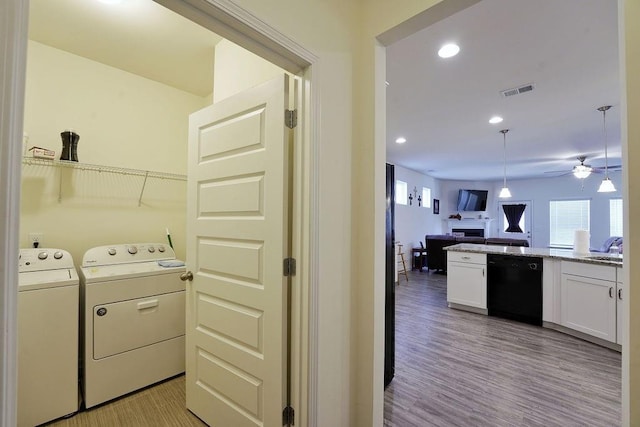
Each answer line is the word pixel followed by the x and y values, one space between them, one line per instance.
pixel 289 267
pixel 290 118
pixel 288 416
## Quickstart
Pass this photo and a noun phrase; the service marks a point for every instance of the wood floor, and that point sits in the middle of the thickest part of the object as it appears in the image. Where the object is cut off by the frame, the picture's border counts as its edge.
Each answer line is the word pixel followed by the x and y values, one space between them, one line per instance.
pixel 455 368
pixel 452 369
pixel 162 405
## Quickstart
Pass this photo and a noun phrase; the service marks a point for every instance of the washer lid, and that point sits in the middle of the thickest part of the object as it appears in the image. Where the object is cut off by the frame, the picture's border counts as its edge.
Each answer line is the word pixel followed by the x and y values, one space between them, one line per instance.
pixel 34 280
pixel 102 273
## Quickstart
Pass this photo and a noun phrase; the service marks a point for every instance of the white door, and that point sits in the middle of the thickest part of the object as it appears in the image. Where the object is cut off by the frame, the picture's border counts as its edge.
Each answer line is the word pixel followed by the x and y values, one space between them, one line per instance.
pixel 238 236
pixel 525 221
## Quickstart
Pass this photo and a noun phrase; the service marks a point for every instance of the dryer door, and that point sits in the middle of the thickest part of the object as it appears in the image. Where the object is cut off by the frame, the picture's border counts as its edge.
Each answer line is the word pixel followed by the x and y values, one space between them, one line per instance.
pixel 128 325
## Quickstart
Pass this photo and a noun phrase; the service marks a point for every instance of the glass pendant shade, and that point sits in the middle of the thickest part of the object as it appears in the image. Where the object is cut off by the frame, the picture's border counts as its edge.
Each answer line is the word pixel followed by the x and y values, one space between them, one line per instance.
pixel 606 186
pixel 504 193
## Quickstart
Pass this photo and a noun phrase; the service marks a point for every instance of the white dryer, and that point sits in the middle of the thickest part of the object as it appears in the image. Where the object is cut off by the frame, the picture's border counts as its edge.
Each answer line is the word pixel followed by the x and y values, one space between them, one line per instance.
pixel 47 336
pixel 132 319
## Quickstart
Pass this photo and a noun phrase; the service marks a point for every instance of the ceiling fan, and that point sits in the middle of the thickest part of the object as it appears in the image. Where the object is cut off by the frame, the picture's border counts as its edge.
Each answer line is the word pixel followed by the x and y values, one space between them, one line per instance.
pixel 582 171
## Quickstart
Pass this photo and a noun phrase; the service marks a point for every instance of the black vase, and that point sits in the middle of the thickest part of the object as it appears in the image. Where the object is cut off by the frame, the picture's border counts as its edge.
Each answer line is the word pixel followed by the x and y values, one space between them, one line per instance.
pixel 69 146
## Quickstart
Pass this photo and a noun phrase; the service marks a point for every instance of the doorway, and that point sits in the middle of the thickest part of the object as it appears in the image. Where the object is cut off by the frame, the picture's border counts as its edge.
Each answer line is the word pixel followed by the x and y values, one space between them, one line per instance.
pixel 301 209
pixel 523 231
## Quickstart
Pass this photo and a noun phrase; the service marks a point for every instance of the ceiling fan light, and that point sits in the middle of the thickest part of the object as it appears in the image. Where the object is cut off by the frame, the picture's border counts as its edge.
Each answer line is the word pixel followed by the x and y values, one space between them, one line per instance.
pixel 504 193
pixel 581 171
pixel 606 186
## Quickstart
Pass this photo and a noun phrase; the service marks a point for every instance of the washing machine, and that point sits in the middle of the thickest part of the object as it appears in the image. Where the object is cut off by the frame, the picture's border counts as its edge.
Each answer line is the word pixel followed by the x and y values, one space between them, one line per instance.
pixel 132 319
pixel 47 336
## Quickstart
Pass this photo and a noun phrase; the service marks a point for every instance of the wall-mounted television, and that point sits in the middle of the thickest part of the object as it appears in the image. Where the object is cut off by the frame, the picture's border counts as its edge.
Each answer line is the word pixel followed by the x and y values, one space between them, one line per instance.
pixel 472 200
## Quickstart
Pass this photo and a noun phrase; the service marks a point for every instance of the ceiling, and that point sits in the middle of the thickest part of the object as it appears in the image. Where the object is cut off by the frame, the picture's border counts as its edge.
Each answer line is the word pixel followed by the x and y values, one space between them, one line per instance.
pixel 138 36
pixel 568 49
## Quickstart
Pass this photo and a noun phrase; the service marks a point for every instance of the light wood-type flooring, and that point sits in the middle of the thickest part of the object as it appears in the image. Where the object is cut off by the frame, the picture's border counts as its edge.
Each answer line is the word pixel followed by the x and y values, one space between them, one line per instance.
pixel 162 405
pixel 452 369
pixel 455 368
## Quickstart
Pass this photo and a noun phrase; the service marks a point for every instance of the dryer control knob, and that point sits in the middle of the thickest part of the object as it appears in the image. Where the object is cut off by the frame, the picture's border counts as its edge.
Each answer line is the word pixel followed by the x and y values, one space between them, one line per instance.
pixel 161 248
pixel 151 249
pixel 132 250
pixel 43 255
pixel 112 251
pixel 57 254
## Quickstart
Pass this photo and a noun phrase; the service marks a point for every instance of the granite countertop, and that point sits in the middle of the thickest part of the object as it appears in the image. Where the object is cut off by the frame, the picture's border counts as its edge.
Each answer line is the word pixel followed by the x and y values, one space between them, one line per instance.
pixel 561 254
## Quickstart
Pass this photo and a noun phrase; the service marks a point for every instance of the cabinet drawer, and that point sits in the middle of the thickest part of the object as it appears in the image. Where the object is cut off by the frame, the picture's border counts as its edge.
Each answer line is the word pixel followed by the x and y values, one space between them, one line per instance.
pixel 469 257
pixel 583 269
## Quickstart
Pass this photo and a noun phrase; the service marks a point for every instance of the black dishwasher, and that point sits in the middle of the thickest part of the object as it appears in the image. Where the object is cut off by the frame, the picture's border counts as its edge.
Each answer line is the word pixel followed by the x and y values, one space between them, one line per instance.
pixel 514 287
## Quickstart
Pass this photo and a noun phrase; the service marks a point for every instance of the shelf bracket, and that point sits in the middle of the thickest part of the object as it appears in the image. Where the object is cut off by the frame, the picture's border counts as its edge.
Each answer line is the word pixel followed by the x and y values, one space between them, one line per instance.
pixel 144 184
pixel 60 187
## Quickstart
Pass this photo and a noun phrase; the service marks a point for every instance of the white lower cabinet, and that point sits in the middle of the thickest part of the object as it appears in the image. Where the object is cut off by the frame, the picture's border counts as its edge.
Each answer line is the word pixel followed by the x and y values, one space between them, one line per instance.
pixel 620 294
pixel 588 299
pixel 467 279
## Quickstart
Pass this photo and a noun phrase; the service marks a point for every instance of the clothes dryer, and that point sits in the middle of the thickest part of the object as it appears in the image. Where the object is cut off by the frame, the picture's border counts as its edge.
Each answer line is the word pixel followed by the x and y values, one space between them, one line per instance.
pixel 132 319
pixel 47 336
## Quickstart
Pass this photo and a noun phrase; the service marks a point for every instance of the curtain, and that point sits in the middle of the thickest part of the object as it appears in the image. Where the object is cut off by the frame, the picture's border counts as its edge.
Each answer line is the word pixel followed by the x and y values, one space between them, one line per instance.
pixel 513 214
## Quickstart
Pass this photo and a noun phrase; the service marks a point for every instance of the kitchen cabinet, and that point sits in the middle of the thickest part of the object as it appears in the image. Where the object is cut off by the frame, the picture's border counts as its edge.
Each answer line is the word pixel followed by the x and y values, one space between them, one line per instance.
pixel 589 299
pixel 467 279
pixel 620 295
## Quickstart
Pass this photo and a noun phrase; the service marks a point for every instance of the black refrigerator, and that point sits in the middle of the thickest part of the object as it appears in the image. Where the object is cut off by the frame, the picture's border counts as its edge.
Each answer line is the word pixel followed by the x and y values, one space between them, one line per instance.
pixel 390 289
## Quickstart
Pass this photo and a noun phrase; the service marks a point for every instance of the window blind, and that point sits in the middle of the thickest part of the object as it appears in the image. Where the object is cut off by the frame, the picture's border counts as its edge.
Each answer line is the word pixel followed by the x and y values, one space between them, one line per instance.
pixel 566 216
pixel 401 192
pixel 615 217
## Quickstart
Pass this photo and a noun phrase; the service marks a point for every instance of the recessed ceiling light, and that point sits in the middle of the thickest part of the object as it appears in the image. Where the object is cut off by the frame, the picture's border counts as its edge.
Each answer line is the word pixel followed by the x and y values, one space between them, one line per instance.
pixel 495 119
pixel 401 140
pixel 449 50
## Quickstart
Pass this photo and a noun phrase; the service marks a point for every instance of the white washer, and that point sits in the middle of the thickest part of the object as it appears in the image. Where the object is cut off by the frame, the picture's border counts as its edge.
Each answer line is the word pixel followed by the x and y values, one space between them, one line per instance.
pixel 47 336
pixel 132 319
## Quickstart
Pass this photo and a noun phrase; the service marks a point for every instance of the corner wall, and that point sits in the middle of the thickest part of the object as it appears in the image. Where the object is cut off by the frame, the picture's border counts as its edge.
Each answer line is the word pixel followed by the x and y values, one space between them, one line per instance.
pixel 413 222
pixel 124 121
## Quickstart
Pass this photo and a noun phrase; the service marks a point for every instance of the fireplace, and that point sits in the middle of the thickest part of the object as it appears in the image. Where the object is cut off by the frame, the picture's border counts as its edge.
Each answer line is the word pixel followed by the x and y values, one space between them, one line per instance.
pixel 468 232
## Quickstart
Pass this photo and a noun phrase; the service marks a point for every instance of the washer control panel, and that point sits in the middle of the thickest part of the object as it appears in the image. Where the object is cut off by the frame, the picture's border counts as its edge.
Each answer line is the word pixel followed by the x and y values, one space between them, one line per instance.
pixel 38 259
pixel 127 253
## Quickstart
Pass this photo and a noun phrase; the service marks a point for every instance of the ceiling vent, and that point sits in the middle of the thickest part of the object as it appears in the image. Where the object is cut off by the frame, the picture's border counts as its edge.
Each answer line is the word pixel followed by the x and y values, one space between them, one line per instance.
pixel 518 90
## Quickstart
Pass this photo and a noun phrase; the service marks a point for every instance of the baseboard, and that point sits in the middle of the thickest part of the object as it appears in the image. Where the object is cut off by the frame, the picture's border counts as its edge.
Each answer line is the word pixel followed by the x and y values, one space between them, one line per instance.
pixel 583 336
pixel 467 308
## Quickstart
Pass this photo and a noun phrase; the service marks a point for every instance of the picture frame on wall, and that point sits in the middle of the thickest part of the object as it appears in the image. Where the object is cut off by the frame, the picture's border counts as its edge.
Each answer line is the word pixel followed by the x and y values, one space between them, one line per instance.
pixel 436 206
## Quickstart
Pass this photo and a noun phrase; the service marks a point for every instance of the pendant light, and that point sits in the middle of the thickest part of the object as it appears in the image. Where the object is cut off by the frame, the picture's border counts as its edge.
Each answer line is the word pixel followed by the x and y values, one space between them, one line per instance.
pixel 504 193
pixel 606 186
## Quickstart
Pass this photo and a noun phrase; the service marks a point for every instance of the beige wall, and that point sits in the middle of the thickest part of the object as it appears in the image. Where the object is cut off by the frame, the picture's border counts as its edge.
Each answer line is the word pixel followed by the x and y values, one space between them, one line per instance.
pixel 123 121
pixel 631 153
pixel 236 69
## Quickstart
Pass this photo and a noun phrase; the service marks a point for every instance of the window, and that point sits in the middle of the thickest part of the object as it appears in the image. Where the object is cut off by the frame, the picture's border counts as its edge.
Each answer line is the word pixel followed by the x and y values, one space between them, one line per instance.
pixel 615 217
pixel 426 197
pixel 566 216
pixel 401 192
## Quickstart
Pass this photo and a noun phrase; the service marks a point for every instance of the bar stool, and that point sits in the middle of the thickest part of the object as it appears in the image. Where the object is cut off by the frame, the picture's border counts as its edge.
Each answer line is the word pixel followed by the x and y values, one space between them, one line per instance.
pixel 402 265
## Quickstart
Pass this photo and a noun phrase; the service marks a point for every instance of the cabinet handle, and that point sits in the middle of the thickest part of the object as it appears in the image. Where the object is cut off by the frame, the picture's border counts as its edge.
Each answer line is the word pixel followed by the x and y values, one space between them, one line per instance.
pixel 620 294
pixel 466 257
pixel 483 272
pixel 610 292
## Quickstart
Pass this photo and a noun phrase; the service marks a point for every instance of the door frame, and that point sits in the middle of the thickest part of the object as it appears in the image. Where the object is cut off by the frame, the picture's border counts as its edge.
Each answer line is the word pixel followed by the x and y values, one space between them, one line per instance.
pixel 246 30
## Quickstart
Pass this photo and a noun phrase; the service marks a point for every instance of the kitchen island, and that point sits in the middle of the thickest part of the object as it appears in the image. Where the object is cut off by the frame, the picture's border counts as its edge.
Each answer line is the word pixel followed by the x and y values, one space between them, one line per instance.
pixel 579 294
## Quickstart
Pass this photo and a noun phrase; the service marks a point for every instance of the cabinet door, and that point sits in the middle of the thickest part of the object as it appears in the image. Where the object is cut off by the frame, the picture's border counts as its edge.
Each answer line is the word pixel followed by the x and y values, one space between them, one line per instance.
pixel 467 284
pixel 620 295
pixel 589 305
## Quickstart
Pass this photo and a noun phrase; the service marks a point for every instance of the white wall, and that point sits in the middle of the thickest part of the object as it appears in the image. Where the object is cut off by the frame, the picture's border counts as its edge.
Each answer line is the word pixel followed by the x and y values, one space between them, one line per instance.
pixel 123 121
pixel 413 222
pixel 540 192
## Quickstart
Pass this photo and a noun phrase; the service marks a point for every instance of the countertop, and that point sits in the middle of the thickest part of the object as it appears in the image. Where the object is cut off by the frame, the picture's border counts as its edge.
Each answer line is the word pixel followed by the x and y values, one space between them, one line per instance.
pixel 561 254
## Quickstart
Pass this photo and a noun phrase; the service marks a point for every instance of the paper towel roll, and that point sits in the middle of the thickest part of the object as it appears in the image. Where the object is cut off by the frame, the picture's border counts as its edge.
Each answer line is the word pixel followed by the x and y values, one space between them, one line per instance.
pixel 581 242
